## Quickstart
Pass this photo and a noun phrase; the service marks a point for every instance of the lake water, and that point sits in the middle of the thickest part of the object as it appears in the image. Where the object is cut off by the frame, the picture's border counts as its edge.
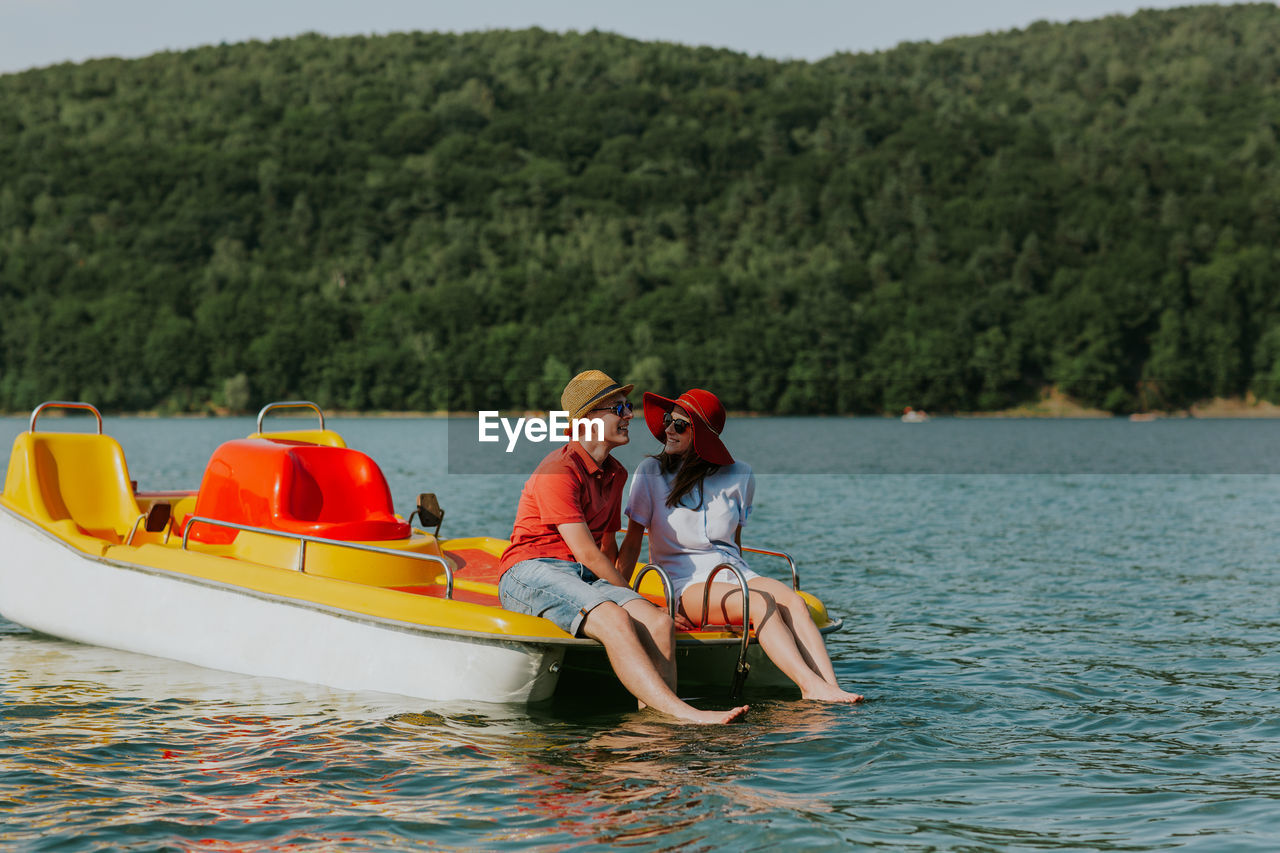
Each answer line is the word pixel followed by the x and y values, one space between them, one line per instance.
pixel 1068 633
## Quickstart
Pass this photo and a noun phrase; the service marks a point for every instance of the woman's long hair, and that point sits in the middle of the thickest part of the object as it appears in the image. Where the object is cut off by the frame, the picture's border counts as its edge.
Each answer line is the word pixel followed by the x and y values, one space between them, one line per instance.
pixel 690 469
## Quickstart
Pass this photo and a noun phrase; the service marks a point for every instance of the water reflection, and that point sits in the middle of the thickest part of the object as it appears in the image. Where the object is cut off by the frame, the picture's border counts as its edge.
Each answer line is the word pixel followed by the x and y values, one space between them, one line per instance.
pixel 639 777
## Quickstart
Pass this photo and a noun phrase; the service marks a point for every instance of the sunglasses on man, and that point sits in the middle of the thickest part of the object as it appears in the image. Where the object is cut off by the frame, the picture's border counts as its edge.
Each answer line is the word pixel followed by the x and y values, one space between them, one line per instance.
pixel 621 409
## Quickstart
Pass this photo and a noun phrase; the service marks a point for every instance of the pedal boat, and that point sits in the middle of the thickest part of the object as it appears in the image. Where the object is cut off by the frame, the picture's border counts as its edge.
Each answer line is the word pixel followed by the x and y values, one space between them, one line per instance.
pixel 289 562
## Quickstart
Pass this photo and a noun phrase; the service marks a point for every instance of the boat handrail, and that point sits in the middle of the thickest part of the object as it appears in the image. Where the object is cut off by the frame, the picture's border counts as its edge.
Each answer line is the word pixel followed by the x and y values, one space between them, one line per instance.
pixel 666 584
pixel 290 404
pixel 303 539
pixel 795 576
pixel 62 404
pixel 746 600
pixel 743 668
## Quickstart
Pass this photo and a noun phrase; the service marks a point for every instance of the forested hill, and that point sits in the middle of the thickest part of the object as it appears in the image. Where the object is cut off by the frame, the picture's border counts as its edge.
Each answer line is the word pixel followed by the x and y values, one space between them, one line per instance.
pixel 427 221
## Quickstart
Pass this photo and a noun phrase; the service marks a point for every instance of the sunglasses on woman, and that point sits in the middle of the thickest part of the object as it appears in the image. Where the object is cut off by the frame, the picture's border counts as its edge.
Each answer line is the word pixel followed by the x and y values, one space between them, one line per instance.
pixel 621 409
pixel 668 420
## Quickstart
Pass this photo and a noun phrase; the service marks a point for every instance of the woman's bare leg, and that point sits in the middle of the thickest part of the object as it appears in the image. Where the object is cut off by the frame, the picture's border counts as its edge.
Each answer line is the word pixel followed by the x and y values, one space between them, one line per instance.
pixel 795 611
pixel 775 635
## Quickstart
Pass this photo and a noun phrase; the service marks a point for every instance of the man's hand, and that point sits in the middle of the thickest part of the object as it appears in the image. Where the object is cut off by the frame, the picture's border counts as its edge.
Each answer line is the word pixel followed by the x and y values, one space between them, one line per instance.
pixel 578 537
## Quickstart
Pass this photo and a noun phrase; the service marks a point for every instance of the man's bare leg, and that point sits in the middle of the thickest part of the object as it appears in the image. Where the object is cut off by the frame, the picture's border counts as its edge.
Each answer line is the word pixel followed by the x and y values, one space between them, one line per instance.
pixel 658 634
pixel 614 627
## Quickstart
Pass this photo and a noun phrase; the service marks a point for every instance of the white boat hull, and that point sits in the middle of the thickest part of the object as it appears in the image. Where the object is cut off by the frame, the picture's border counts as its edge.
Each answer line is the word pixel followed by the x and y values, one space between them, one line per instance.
pixel 48 586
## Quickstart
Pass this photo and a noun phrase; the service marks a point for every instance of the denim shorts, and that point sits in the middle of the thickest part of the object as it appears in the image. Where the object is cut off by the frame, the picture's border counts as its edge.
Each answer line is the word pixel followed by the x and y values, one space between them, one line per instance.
pixel 558 590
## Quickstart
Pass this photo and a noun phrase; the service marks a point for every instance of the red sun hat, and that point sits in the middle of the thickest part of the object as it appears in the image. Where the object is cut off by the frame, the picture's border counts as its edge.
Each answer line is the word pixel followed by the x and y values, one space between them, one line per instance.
pixel 706 415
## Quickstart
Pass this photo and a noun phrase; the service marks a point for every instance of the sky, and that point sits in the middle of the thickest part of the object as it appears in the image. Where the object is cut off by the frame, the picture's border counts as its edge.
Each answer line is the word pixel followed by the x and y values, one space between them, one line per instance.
pixel 36 33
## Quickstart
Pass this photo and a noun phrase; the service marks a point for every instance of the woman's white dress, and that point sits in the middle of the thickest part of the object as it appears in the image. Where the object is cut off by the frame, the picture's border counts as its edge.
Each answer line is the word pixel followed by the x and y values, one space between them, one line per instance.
pixel 690 540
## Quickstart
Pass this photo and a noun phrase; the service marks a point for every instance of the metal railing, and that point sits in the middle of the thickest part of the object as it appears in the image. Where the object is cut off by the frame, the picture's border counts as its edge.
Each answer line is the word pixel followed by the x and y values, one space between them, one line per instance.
pixel 303 539
pixel 290 404
pixel 791 563
pixel 743 668
pixel 746 600
pixel 795 576
pixel 666 585
pixel 59 404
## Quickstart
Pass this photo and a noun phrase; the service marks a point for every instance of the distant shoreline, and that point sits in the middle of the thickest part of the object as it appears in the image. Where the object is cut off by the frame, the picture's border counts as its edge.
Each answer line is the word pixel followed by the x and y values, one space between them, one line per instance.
pixel 1053 406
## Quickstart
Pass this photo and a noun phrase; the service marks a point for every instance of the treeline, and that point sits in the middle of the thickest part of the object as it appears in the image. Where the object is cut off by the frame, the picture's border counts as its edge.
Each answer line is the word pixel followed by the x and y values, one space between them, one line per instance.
pixel 428 221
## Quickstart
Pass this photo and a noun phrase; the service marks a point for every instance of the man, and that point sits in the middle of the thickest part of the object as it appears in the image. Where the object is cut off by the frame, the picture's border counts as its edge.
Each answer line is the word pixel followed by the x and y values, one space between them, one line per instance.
pixel 561 561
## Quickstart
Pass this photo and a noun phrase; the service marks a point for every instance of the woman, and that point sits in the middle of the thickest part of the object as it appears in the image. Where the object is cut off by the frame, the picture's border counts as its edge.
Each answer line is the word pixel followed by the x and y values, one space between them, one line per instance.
pixel 694 499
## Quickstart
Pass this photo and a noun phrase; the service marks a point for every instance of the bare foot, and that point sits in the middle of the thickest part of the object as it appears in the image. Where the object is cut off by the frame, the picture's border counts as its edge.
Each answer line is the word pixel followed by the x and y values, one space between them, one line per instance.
pixel 733 715
pixel 832 693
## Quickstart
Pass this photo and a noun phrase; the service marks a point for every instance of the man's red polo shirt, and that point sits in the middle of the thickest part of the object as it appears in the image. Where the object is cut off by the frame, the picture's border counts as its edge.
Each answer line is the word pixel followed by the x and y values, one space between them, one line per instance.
pixel 567 486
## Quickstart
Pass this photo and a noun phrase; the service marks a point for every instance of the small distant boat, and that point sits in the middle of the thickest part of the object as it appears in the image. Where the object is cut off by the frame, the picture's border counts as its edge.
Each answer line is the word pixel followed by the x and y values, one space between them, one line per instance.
pixel 289 562
pixel 913 416
pixel 1143 417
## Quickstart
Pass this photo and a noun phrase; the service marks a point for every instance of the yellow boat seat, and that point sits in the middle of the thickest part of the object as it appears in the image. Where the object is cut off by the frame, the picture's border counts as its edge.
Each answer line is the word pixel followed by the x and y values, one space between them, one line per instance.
pixel 80 477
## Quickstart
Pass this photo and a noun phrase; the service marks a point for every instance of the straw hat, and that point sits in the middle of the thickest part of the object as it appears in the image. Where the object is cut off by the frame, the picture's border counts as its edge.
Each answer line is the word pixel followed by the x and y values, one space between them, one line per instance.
pixel 706 415
pixel 588 388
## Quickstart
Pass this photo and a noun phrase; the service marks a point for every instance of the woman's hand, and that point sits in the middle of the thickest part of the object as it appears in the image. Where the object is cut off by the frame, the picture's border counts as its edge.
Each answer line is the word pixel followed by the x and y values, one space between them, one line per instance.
pixel 629 551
